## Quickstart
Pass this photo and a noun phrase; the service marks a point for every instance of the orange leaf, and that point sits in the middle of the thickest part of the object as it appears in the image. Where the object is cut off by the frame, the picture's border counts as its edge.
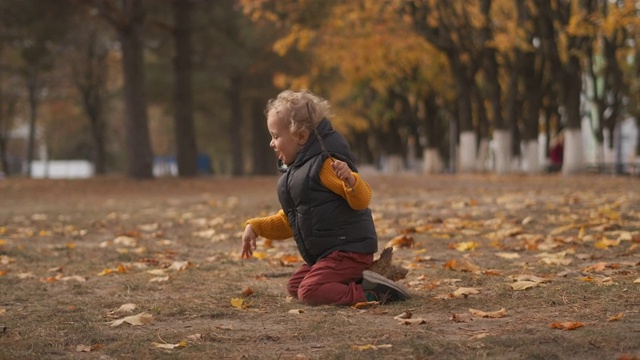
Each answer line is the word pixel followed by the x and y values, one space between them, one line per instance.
pixel 400 241
pixel 567 325
pixel 616 317
pixel 364 304
pixel 247 292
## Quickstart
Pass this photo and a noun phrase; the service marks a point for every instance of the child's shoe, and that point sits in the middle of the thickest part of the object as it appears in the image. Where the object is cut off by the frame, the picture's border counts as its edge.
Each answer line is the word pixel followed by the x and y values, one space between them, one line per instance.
pixel 378 288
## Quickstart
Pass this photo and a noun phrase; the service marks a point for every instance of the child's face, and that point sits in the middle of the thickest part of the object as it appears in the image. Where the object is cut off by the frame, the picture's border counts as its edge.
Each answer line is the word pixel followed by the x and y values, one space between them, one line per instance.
pixel 283 141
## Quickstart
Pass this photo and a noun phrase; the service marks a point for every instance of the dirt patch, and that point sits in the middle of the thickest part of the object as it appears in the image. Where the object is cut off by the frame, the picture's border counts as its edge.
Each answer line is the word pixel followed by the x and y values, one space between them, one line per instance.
pixel 73 252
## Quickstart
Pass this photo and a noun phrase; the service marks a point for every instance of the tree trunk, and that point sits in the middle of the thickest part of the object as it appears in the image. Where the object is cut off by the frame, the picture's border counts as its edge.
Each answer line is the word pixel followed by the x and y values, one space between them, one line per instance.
pixel 264 161
pixel 572 85
pixel 502 151
pixel 234 94
pixel 90 81
pixel 468 143
pixel 139 154
pixel 34 100
pixel 186 148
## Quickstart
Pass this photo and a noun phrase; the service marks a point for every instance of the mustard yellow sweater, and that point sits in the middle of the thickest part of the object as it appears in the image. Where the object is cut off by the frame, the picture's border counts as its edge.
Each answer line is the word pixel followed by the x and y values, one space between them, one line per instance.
pixel 276 227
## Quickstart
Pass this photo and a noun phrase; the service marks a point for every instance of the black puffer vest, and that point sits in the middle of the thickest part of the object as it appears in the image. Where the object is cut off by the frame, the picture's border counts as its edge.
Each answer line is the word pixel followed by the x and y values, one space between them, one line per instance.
pixel 323 221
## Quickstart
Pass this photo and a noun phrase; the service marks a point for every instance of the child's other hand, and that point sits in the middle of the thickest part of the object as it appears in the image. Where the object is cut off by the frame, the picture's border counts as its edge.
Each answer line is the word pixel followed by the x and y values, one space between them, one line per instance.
pixel 248 241
pixel 343 172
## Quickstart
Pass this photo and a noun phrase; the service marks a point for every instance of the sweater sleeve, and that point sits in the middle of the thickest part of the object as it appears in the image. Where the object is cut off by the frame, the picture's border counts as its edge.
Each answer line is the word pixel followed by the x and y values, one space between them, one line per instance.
pixel 274 227
pixel 358 197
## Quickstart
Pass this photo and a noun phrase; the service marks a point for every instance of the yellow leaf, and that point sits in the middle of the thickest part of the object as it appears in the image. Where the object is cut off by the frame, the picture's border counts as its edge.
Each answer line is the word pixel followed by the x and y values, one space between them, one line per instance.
pixel 364 304
pixel 616 317
pixel 2 242
pixel 121 269
pixel 70 245
pixel 464 246
pixel 105 272
pixel 492 314
pixel 606 243
pixel 259 255
pixel 239 303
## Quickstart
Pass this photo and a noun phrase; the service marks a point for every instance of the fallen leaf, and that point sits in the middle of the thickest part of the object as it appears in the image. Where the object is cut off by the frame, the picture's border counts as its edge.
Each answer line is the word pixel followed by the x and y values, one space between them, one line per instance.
pixel 239 303
pixel 529 278
pixel 125 241
pixel 460 318
pixel 169 346
pixel 179 265
pixel 510 256
pixel 605 243
pixel 636 281
pixel 105 272
pixel 465 291
pixel 259 255
pixel 159 279
pixel 157 272
pixel 417 321
pixel 492 314
pixel 296 311
pixel 405 315
pixel 400 241
pixel 523 285
pixel 364 304
pixel 247 292
pixel 461 265
pixel 77 278
pixel 195 337
pixel 567 325
pixel 616 317
pixel 467 245
pixel 88 348
pixel 371 347
pixel 136 320
pixel 126 308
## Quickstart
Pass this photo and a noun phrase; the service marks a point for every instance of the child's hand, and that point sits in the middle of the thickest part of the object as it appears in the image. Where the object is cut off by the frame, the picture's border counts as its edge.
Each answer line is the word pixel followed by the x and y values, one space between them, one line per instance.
pixel 343 172
pixel 248 241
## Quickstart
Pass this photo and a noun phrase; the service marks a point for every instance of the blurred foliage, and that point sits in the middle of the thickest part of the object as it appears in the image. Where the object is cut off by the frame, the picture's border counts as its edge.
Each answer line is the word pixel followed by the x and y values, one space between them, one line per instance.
pixel 398 73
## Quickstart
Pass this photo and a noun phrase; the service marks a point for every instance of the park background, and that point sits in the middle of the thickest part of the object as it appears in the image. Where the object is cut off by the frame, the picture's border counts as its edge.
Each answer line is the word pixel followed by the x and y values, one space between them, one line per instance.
pixel 152 88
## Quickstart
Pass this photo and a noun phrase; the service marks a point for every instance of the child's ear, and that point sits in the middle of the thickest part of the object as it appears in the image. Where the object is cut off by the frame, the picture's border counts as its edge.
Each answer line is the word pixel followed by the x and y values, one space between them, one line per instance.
pixel 303 136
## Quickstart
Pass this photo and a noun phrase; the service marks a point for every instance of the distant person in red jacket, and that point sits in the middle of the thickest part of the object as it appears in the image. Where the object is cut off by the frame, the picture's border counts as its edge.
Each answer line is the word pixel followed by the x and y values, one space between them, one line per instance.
pixel 556 153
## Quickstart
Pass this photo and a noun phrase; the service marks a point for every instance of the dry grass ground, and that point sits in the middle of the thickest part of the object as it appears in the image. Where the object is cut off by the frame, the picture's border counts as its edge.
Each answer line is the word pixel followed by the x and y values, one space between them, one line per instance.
pixel 73 252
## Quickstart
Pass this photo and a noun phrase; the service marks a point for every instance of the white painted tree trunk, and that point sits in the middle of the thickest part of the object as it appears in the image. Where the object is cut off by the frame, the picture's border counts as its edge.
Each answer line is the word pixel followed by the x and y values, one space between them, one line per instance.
pixel 393 164
pixel 483 155
pixel 531 157
pixel 433 163
pixel 573 159
pixel 502 143
pixel 468 145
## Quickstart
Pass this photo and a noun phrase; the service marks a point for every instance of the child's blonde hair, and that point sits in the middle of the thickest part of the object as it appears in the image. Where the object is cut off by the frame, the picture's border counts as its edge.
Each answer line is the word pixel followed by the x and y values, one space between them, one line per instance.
pixel 291 106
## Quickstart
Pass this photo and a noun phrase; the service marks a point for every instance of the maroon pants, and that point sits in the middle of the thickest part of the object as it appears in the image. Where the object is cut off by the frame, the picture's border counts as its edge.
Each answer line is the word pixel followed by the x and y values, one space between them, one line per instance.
pixel 332 280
